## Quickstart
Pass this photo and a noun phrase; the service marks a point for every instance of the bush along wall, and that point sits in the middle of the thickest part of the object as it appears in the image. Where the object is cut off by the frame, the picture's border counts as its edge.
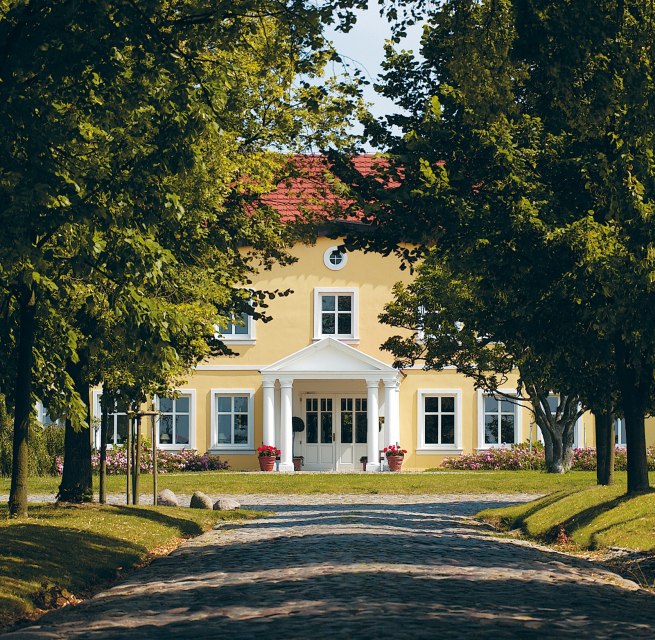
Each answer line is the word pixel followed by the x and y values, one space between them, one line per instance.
pixel 521 457
pixel 45 450
pixel 5 438
pixel 167 461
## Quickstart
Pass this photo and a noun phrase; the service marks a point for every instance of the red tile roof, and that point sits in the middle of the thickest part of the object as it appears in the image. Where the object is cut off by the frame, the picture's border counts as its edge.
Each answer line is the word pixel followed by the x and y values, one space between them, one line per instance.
pixel 313 192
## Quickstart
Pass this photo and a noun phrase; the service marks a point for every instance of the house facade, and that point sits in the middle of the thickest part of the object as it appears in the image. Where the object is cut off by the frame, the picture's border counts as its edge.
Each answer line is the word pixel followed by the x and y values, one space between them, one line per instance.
pixel 314 382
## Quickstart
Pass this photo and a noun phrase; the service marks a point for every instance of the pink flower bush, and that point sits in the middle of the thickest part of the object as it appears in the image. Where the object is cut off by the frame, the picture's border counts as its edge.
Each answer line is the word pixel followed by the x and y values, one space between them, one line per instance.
pixel 167 461
pixel 519 457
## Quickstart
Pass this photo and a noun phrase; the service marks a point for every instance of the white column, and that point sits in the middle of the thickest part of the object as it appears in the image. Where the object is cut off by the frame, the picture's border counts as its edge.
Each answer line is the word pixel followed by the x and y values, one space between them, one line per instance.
pixel 268 435
pixel 286 430
pixel 392 412
pixel 373 409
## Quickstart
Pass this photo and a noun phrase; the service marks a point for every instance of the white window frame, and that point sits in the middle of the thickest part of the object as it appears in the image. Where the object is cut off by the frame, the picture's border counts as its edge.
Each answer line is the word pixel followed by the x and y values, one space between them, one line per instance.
pixel 420 330
pixel 97 415
pixel 215 446
pixel 192 422
pixel 518 422
pixel 423 447
pixel 41 413
pixel 328 254
pixel 353 292
pixel 616 426
pixel 239 338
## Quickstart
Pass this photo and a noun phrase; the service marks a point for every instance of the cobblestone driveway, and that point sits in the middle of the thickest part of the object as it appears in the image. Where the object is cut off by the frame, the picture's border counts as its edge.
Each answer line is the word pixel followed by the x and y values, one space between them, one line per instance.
pixel 360 567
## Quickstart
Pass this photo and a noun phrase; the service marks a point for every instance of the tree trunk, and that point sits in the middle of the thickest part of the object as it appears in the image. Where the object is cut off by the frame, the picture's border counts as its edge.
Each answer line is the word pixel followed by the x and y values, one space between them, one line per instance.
pixel 548 446
pixel 102 470
pixel 23 403
pixel 634 390
pixel 77 478
pixel 604 448
pixel 567 454
pixel 557 465
pixel 558 450
pixel 635 437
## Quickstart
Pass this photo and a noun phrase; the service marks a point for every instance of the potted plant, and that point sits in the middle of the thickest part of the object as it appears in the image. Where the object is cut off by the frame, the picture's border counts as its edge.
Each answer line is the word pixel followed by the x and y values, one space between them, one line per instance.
pixel 267 455
pixel 297 426
pixel 395 456
pixel 364 460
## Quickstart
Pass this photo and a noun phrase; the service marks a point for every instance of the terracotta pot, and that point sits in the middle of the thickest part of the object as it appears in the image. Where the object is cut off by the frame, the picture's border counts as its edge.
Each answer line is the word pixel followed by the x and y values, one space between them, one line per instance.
pixel 267 463
pixel 395 462
pixel 297 463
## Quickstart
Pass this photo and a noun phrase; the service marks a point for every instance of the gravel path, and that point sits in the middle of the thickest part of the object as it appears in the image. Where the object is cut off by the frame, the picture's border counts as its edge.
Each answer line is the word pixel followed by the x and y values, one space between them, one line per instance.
pixel 359 567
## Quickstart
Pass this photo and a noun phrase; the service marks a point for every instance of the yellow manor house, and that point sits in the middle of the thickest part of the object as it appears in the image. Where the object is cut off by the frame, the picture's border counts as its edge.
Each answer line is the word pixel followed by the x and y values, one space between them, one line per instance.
pixel 314 382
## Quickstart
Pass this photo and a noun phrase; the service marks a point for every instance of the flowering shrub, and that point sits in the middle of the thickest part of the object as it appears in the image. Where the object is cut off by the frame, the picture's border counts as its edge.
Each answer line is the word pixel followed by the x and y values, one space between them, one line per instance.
pixel 520 456
pixel 267 450
pixel 393 450
pixel 503 459
pixel 167 461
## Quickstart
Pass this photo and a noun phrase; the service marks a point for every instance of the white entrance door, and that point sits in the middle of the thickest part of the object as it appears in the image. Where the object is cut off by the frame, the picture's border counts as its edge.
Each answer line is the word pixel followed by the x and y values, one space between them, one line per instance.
pixel 336 430
pixel 351 438
pixel 320 436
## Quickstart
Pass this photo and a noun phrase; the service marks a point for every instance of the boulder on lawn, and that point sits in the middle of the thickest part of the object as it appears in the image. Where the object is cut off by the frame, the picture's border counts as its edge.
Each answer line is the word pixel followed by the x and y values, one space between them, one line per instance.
pixel 200 500
pixel 226 504
pixel 167 498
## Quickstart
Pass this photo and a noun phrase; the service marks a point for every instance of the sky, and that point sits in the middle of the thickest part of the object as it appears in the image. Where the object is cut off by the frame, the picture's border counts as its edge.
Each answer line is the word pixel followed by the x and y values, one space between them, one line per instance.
pixel 364 46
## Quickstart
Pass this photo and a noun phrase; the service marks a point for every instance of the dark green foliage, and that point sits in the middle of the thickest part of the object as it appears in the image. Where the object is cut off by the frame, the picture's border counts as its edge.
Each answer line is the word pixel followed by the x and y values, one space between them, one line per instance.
pixel 46 447
pixel 6 439
pixel 523 166
pixel 137 139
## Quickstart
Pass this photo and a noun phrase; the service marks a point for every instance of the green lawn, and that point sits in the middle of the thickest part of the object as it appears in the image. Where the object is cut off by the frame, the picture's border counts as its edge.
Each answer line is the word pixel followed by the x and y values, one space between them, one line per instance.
pixel 592 518
pixel 475 482
pixel 60 551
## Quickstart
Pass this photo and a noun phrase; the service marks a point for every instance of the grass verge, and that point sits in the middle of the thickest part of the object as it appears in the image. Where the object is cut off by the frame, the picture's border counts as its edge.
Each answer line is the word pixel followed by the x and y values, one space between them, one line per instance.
pixel 62 553
pixel 601 519
pixel 594 518
pixel 473 482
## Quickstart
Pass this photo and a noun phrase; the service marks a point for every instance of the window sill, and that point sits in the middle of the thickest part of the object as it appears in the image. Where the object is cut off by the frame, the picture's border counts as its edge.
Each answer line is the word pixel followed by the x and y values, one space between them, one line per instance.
pixel 238 341
pixel 440 451
pixel 488 447
pixel 344 340
pixel 224 451
pixel 175 447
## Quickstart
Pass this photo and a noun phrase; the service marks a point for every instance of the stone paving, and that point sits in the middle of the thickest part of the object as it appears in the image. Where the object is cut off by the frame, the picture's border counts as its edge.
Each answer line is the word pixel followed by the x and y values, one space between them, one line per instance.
pixel 367 566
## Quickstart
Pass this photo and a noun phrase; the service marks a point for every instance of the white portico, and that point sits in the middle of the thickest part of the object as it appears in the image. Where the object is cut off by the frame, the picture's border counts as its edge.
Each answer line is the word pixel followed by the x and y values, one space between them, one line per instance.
pixel 340 394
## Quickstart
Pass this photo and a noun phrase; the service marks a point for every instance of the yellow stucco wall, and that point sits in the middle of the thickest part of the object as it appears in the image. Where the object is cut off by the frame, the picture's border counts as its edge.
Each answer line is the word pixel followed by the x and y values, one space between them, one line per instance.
pixel 292 329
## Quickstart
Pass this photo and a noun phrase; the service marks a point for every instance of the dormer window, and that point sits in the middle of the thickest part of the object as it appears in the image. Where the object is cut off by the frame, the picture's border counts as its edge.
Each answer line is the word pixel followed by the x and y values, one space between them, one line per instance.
pixel 335 314
pixel 334 259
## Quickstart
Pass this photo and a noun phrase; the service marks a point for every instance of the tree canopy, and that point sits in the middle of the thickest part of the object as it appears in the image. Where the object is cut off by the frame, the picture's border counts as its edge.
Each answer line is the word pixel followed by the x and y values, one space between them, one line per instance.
pixel 522 161
pixel 136 143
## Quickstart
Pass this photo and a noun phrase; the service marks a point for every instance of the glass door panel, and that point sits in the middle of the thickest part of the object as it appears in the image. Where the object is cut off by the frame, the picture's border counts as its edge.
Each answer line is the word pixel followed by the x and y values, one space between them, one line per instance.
pixel 326 421
pixel 319 424
pixel 346 435
pixel 352 433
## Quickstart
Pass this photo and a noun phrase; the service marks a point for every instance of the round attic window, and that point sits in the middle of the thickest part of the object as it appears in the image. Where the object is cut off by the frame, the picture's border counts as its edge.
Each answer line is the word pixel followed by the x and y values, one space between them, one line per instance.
pixel 334 259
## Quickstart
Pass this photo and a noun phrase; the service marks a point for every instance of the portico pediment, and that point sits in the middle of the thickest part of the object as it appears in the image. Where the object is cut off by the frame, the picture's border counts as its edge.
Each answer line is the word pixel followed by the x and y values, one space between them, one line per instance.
pixel 329 358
